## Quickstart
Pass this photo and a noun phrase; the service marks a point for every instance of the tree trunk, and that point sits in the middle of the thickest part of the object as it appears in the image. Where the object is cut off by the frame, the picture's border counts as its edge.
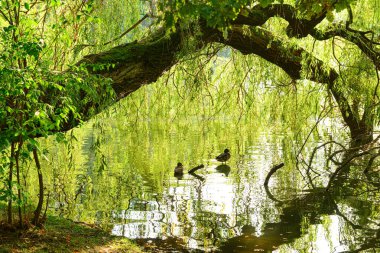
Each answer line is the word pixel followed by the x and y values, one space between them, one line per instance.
pixel 37 212
pixel 17 157
pixel 290 60
pixel 10 178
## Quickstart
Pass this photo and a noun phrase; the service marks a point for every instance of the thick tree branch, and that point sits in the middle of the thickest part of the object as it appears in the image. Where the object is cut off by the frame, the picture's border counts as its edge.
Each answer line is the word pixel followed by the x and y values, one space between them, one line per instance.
pixel 291 59
pixel 297 27
pixel 138 63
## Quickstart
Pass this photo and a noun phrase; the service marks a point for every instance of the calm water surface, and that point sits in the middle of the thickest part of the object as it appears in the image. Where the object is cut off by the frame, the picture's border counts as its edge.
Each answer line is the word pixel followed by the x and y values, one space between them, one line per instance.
pixel 121 177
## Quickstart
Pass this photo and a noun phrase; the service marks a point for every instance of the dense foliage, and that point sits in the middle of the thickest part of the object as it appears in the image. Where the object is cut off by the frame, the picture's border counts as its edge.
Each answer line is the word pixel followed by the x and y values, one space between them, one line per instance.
pixel 37 99
pixel 221 14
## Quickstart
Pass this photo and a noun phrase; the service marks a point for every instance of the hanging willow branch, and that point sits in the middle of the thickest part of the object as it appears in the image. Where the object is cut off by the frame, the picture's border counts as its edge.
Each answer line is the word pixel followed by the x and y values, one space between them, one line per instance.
pixel 83 46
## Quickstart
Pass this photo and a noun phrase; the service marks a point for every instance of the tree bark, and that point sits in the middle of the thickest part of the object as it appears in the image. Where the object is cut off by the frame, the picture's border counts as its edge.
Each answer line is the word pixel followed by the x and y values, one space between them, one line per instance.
pixel 17 157
pixel 37 212
pixel 262 43
pixel 141 63
pixel 138 63
pixel 10 178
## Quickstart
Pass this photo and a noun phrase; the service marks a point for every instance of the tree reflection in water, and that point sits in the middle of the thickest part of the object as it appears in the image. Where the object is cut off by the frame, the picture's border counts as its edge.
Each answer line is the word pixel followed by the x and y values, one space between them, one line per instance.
pixel 205 213
pixel 227 208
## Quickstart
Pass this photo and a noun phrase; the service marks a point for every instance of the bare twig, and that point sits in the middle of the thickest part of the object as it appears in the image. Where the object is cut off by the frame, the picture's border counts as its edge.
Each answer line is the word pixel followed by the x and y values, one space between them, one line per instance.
pixel 319 119
pixel 346 162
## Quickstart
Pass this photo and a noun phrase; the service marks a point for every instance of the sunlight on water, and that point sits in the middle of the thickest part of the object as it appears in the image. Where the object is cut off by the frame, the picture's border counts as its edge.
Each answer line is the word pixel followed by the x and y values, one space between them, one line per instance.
pixel 327 239
pixel 222 207
pixel 199 207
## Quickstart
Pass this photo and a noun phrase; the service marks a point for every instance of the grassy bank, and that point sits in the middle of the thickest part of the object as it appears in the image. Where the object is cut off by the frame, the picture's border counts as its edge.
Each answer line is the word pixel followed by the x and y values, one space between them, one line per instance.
pixel 60 235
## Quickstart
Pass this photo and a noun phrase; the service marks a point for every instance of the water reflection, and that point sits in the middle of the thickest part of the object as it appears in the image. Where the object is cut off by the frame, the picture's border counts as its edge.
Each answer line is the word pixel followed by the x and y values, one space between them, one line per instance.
pixel 207 211
pixel 223 168
pixel 221 207
pixel 199 209
pixel 197 176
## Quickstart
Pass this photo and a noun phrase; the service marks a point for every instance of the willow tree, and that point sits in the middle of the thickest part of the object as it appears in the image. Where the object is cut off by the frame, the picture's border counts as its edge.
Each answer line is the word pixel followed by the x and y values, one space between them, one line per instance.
pixel 40 94
pixel 346 28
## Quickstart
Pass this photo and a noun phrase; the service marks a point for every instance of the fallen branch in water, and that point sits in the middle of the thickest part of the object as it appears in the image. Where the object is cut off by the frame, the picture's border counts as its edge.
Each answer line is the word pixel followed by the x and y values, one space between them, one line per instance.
pixel 197 176
pixel 196 168
pixel 270 195
pixel 273 170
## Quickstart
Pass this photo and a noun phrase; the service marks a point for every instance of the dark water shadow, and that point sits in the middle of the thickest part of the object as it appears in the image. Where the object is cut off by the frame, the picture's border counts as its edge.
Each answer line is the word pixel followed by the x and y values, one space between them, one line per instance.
pixel 170 244
pixel 197 176
pixel 309 207
pixel 273 235
pixel 223 168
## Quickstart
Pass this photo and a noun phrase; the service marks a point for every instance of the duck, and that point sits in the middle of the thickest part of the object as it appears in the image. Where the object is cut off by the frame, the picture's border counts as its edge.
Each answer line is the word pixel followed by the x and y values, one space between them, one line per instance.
pixel 178 170
pixel 223 157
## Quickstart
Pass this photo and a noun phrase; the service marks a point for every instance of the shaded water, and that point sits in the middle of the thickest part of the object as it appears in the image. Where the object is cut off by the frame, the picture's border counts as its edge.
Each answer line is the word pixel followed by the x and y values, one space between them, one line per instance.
pixel 121 177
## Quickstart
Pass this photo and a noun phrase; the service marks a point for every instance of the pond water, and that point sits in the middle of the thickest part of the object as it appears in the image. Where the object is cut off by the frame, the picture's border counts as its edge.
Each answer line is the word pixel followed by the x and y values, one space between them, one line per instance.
pixel 120 176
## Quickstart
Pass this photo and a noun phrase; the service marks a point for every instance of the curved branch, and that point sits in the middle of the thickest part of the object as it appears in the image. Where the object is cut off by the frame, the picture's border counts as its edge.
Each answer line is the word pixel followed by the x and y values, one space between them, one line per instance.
pixel 346 163
pixel 291 59
pixel 272 171
pixel 297 27
pixel 133 65
pixel 137 63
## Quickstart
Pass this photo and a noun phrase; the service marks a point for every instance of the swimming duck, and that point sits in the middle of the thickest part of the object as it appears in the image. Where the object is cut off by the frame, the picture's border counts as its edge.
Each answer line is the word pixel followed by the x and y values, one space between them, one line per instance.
pixel 223 157
pixel 178 170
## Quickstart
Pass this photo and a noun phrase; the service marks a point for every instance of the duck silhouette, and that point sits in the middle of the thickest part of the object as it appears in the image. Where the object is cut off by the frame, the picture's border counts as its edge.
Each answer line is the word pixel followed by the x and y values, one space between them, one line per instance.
pixel 223 168
pixel 223 157
pixel 178 170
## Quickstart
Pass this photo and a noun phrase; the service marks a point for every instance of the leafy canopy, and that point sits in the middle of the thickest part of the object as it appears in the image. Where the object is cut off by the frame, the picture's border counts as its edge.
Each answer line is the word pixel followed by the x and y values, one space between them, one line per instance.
pixel 220 13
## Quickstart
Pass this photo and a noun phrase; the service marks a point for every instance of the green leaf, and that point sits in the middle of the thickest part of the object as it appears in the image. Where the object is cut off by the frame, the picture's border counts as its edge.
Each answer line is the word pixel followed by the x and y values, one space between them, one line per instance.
pixel 265 3
pixel 330 16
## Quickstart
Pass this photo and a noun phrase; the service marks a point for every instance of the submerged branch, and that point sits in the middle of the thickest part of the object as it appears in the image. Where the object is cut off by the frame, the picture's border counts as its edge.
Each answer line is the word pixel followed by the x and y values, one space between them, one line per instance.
pixel 196 168
pixel 272 171
pixel 270 195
